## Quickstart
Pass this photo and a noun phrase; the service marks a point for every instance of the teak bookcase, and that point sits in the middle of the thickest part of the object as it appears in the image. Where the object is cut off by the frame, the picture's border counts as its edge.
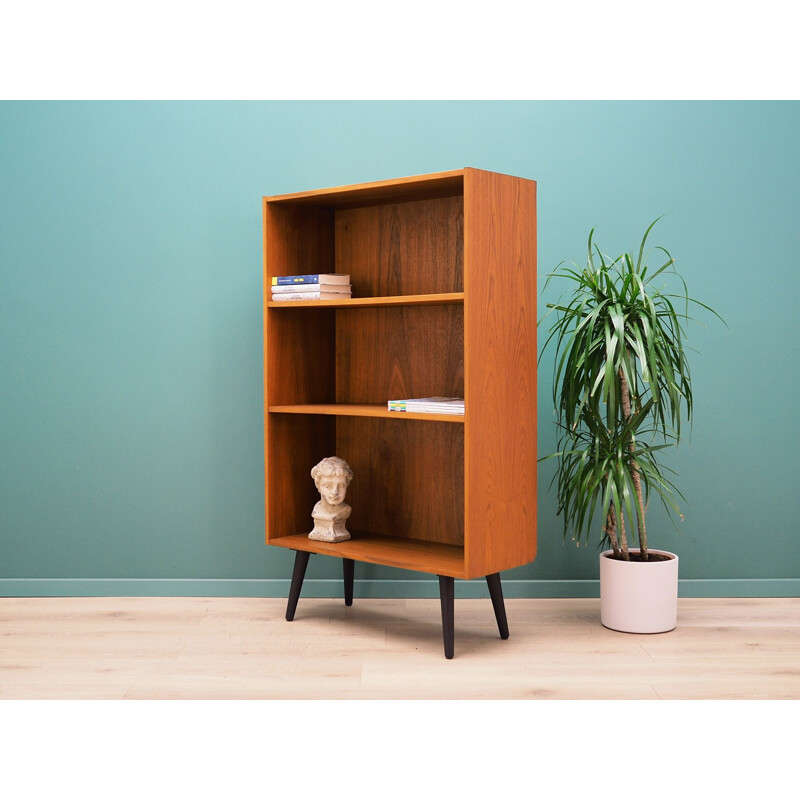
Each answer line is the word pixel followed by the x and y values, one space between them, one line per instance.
pixel 443 270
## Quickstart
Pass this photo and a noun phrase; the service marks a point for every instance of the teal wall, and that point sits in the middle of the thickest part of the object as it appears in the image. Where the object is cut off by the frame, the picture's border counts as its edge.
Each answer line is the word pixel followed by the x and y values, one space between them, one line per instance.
pixel 130 324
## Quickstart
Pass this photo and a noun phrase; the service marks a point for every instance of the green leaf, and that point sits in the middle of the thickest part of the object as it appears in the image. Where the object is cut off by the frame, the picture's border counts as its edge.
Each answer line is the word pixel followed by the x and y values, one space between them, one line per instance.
pixel 615 323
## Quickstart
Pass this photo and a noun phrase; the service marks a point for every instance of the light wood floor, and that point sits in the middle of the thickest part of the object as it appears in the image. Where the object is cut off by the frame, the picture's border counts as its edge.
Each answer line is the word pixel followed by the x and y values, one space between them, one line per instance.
pixel 231 648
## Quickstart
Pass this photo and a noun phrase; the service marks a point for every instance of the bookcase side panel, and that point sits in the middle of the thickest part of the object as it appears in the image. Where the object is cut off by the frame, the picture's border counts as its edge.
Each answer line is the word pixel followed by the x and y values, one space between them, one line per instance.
pixel 300 351
pixel 414 247
pixel 299 344
pixel 299 366
pixel 296 444
pixel 409 477
pixel 298 239
pixel 500 371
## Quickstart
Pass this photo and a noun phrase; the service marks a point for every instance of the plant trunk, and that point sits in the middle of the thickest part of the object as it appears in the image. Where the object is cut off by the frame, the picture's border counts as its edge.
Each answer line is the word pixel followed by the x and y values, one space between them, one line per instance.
pixel 623 539
pixel 611 530
pixel 637 482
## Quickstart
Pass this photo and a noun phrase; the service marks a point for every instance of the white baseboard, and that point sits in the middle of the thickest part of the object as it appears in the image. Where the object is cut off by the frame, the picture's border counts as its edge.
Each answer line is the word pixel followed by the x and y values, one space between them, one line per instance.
pixel 425 587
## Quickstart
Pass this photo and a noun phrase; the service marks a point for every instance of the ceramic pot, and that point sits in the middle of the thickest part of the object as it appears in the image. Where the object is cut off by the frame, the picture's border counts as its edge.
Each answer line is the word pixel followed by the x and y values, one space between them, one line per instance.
pixel 639 597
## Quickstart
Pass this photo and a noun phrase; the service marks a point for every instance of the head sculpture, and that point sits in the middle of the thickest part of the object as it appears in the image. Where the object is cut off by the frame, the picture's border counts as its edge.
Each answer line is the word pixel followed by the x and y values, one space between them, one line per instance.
pixel 332 476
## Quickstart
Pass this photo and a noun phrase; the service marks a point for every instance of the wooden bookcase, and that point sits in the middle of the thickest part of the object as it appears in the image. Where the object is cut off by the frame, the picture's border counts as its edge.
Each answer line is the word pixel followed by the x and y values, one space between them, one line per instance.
pixel 443 269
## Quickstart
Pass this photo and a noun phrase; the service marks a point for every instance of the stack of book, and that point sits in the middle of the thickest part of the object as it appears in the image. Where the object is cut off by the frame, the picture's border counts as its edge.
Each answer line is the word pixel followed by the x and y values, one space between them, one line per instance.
pixel 325 286
pixel 429 405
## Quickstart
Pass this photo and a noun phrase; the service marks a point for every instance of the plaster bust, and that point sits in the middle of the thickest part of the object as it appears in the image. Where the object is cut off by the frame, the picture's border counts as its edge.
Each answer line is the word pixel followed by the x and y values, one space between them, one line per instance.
pixel 331 476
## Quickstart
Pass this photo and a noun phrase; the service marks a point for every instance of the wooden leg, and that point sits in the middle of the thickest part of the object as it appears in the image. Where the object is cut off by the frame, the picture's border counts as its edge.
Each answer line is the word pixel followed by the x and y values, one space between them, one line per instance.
pixel 348 568
pixel 447 595
pixel 496 593
pixel 300 564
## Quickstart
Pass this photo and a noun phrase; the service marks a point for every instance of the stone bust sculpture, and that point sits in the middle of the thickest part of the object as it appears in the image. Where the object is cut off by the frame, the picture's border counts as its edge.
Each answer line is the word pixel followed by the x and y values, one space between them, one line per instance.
pixel 332 476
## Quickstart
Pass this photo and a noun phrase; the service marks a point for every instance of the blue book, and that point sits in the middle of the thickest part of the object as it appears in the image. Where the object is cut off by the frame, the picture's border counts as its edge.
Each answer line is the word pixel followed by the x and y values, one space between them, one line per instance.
pixel 330 278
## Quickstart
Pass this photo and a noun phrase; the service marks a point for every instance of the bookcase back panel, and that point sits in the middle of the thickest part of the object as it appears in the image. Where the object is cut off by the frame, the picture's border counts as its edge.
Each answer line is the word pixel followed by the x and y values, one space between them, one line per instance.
pixel 416 247
pixel 409 477
pixel 294 445
pixel 394 353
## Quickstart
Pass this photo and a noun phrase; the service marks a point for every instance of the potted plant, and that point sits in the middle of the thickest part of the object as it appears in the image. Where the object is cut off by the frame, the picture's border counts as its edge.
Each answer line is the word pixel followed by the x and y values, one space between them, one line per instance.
pixel 621 388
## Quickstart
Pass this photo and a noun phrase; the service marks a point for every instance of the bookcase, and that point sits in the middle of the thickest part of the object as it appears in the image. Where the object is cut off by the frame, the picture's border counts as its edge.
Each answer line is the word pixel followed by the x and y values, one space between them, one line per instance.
pixel 443 273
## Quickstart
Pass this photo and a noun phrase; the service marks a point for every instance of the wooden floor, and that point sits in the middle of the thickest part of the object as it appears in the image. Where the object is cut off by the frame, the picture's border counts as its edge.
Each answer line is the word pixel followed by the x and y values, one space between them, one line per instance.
pixel 207 648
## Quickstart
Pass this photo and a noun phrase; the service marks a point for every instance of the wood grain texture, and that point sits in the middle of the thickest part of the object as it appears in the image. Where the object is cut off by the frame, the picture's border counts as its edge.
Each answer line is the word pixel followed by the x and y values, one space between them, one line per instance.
pixel 409 477
pixel 408 248
pixel 395 353
pixel 298 364
pixel 444 298
pixel 461 248
pixel 296 444
pixel 500 370
pixel 243 648
pixel 393 551
pixel 436 184
pixel 357 410
pixel 298 349
pixel 297 240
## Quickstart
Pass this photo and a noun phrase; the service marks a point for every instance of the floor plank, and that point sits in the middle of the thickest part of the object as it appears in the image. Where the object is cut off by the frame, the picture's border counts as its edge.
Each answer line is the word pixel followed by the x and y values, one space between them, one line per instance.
pixel 243 648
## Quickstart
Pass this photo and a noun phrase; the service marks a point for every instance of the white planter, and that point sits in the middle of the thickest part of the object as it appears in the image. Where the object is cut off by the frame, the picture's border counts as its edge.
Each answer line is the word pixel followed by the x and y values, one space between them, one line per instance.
pixel 639 597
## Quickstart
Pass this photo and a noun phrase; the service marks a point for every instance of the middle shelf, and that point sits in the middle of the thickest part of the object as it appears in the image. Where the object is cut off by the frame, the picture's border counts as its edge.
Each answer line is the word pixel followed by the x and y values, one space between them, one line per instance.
pixel 442 298
pixel 362 410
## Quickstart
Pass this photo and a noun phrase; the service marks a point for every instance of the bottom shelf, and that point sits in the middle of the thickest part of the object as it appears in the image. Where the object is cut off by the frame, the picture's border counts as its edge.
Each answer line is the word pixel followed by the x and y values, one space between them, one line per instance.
pixel 390 551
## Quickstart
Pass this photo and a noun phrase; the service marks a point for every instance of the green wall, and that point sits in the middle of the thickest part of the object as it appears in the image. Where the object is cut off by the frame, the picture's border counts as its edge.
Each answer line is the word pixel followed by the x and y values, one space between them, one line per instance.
pixel 130 324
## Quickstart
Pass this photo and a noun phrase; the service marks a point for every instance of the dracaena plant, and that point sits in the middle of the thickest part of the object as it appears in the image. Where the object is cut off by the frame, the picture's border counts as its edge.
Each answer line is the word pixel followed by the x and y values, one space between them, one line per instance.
pixel 621 388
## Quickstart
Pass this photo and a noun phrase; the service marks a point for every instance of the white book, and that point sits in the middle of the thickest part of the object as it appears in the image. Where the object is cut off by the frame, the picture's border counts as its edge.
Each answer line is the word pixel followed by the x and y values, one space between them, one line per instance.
pixel 318 295
pixel 305 288
pixel 435 401
pixel 423 410
pixel 429 405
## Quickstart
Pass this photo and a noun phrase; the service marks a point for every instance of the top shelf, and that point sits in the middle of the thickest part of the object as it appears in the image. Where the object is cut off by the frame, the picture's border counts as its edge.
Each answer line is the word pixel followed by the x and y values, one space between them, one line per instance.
pixel 439 184
pixel 395 300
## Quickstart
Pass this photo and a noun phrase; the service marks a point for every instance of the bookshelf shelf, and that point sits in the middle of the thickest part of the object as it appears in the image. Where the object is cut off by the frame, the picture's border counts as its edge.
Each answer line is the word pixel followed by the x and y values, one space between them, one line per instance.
pixel 443 298
pixel 443 274
pixel 363 410
pixel 404 553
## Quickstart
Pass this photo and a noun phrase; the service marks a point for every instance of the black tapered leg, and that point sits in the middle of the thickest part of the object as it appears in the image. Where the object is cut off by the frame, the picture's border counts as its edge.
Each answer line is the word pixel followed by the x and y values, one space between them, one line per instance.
pixel 496 593
pixel 447 595
pixel 348 568
pixel 300 564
